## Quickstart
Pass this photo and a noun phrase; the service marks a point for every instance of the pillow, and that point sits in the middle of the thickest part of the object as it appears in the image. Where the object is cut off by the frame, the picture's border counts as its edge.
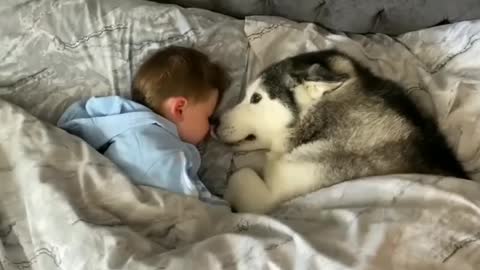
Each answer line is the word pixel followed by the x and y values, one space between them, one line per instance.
pixel 378 16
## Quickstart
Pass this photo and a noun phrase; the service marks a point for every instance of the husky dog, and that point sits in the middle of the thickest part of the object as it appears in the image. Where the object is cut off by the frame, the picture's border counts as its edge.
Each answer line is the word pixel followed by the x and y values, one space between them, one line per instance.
pixel 324 118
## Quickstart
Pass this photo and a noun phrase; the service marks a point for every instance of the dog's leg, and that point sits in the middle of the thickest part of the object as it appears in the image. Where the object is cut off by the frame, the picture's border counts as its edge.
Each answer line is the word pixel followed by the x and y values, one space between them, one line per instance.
pixel 284 180
pixel 253 160
pixel 287 178
pixel 247 192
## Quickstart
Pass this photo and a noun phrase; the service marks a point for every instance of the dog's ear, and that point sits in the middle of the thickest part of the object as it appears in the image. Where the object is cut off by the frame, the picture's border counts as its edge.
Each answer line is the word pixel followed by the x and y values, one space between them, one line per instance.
pixel 316 72
pixel 316 80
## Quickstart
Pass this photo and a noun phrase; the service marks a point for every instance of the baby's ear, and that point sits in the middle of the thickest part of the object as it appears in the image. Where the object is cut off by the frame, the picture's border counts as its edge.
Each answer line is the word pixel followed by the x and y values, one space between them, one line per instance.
pixel 175 108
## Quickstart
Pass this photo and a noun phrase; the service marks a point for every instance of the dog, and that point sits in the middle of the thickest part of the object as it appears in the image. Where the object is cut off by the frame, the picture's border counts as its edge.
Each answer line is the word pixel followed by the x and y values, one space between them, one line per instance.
pixel 325 118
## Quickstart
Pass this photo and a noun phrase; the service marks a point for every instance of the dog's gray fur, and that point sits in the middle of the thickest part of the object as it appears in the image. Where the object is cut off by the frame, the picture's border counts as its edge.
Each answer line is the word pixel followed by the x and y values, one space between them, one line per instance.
pixel 344 122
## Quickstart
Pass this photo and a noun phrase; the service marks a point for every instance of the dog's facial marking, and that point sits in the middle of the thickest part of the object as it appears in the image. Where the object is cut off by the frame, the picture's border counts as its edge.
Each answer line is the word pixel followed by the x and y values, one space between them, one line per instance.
pixel 274 103
pixel 259 121
pixel 300 82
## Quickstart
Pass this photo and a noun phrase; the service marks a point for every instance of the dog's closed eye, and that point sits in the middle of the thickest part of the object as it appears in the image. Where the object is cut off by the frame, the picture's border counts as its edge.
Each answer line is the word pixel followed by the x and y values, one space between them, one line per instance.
pixel 256 97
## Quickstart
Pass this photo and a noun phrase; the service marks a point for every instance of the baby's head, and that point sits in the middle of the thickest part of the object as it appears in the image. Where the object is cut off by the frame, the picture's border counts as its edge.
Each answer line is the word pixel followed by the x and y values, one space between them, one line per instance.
pixel 182 85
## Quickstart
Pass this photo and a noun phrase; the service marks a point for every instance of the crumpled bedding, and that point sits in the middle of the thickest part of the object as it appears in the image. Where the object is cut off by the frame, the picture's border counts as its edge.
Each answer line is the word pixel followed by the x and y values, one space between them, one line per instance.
pixel 65 206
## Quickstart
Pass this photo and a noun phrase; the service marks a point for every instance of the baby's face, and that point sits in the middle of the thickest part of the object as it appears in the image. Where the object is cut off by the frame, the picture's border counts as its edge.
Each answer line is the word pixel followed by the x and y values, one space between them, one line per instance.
pixel 195 125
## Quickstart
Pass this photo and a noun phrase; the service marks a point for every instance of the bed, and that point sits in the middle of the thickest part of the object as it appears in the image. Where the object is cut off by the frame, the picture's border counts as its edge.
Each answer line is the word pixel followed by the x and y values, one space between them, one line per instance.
pixel 65 206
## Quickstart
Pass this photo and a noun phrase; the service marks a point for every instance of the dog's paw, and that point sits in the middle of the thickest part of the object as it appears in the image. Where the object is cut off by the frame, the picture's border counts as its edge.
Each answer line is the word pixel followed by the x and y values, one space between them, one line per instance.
pixel 273 156
pixel 253 160
pixel 246 192
pixel 236 184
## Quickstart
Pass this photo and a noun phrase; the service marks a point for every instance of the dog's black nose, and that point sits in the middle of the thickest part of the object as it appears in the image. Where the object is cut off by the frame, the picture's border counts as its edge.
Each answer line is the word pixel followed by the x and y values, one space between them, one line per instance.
pixel 214 121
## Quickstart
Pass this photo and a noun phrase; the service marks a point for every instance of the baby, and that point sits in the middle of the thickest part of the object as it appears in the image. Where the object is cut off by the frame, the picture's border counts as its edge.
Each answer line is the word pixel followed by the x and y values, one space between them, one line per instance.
pixel 153 138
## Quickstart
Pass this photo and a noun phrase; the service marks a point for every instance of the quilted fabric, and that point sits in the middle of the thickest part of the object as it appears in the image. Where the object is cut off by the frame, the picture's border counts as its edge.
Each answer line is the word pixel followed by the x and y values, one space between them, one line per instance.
pixel 378 16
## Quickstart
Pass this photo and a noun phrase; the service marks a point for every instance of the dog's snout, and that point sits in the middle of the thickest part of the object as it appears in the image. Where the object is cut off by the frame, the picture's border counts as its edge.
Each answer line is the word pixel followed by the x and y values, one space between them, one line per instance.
pixel 214 122
pixel 251 137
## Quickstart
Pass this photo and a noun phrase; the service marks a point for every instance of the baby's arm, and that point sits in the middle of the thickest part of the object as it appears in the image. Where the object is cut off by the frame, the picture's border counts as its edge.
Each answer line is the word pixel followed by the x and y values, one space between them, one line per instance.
pixel 169 171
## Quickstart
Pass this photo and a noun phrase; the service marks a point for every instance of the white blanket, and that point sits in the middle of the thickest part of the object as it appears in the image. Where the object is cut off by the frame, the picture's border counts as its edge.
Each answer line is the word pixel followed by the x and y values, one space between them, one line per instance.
pixel 64 206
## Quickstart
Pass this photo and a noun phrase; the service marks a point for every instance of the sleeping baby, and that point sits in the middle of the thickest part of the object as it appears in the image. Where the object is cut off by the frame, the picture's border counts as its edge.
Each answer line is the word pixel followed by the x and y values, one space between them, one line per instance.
pixel 153 137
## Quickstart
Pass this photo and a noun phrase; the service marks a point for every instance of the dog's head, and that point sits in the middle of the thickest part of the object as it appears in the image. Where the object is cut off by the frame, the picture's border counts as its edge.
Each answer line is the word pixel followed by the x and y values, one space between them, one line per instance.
pixel 278 97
